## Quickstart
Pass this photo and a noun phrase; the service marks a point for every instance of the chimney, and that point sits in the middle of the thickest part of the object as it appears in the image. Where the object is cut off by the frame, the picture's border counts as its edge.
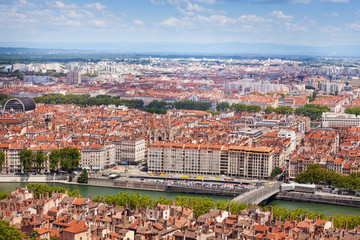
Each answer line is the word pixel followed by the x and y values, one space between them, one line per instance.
pixel 290 216
pixel 318 216
pixel 346 225
pixel 47 195
pixel 228 209
pixel 300 218
pixel 282 228
pixel 314 221
pixel 220 213
pixel 279 217
pixel 174 203
pixel 182 211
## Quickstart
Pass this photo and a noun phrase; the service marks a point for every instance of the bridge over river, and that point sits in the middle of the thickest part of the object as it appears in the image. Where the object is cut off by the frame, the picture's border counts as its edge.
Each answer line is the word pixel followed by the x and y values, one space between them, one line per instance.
pixel 260 194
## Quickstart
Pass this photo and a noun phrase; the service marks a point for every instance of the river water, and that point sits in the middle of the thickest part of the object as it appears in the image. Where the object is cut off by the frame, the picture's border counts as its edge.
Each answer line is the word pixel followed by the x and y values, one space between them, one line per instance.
pixel 94 191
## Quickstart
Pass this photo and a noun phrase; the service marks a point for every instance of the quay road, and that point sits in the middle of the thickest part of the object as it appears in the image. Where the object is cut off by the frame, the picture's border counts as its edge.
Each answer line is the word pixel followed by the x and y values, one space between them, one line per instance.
pixel 256 196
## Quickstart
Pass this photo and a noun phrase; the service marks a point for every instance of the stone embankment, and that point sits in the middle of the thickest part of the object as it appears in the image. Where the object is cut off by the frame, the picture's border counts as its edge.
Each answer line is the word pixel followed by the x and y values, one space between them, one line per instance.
pixel 131 184
pixel 334 199
pixel 34 178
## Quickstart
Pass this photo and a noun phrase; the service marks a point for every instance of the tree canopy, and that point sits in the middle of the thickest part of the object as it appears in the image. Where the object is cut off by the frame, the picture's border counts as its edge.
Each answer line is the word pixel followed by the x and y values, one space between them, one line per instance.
pixel 26 159
pixel 83 178
pixel 222 106
pixel 276 171
pixel 313 111
pixel 69 159
pixel 240 107
pixel 315 174
pixel 2 159
pixel 9 232
pixel 87 100
pixel 192 105
pixel 353 110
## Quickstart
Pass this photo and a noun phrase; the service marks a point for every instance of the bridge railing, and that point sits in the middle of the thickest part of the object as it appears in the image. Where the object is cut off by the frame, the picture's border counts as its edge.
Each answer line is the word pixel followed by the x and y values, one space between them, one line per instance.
pixel 258 195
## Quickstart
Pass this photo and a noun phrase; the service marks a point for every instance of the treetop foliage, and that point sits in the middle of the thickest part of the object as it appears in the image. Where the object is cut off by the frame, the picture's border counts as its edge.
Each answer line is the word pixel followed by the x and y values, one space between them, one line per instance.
pixel 316 174
pixel 313 111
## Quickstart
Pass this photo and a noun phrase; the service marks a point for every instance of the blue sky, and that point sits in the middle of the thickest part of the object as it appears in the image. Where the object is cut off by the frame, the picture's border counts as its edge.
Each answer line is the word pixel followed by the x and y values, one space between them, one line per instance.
pixel 302 22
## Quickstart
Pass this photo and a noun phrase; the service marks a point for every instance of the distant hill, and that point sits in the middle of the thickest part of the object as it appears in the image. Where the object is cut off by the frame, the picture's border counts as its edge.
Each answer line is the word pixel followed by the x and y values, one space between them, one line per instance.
pixel 229 48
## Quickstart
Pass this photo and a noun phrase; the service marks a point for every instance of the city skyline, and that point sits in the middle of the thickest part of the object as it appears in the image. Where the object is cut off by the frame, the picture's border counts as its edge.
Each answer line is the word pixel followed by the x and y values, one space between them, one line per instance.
pixel 289 22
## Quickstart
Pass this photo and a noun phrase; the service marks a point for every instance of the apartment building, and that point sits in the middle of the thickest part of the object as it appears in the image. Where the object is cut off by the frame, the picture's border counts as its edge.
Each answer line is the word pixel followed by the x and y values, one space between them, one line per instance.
pixel 197 159
pixel 96 157
pixel 330 119
pixel 250 162
pixel 132 150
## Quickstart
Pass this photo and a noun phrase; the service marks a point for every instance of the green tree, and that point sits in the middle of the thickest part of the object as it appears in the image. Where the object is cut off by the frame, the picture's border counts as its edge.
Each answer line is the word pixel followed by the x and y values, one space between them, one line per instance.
pixel 284 110
pixel 269 110
pixel 4 195
pixel 26 159
pixel 276 171
pixel 40 158
pixel 2 159
pixel 9 232
pixel 83 178
pixel 353 110
pixel 222 106
pixel 314 94
pixel 157 104
pixel 69 159
pixel 54 159
pixel 313 111
pixel 192 105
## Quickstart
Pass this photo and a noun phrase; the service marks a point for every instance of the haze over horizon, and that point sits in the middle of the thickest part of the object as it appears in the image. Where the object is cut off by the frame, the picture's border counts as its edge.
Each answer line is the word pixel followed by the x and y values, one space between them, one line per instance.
pixel 193 24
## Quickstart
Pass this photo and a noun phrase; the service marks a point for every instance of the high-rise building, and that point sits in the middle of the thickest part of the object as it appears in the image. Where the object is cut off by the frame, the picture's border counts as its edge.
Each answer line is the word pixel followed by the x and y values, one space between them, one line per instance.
pixel 74 77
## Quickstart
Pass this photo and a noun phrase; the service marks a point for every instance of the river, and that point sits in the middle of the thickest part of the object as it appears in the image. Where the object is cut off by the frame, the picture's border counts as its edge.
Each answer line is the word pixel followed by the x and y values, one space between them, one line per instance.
pixel 328 209
pixel 94 191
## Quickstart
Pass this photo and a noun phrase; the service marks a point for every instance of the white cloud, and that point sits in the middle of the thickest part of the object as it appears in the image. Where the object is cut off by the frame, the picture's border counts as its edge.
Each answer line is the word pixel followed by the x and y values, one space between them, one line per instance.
pixel 330 30
pixel 95 5
pixel 60 4
pixel 280 15
pixel 336 1
pixel 186 7
pixel 73 23
pixel 171 22
pixel 157 2
pixel 206 1
pixel 355 26
pixel 301 1
pixel 138 22
pixel 251 19
pixel 333 14
pixel 98 23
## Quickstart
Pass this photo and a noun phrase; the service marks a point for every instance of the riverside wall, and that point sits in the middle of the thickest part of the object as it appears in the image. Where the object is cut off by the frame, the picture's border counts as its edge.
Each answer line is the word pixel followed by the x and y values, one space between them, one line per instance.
pixel 333 199
pixel 34 178
pixel 131 184
pixel 123 183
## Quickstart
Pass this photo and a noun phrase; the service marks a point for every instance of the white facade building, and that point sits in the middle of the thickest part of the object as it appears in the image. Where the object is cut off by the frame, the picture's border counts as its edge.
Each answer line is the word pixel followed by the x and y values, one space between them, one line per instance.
pixel 97 157
pixel 330 119
pixel 132 150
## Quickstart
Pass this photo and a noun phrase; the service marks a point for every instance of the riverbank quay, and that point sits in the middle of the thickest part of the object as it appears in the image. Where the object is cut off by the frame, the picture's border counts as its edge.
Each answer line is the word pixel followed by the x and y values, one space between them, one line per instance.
pixel 318 197
pixel 127 183
pixel 36 178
